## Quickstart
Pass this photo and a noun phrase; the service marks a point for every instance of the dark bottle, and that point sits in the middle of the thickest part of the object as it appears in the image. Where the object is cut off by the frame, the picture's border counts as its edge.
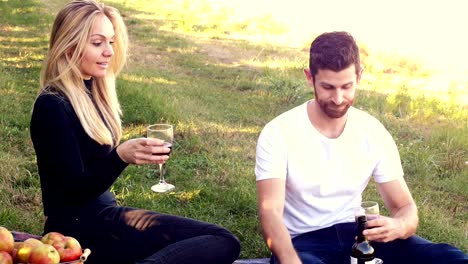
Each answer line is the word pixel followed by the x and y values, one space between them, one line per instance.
pixel 362 252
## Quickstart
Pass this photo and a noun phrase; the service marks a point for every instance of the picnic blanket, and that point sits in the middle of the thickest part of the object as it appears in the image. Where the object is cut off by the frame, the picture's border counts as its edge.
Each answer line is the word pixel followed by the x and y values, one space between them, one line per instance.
pixel 22 236
pixel 252 261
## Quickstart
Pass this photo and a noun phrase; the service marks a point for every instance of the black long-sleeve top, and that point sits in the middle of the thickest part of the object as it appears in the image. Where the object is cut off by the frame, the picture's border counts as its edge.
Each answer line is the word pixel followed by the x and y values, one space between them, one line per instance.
pixel 75 171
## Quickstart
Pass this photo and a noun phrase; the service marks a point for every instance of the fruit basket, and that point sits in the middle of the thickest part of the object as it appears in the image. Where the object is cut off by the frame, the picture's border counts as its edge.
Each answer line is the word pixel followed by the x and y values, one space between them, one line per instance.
pixel 20 237
pixel 81 260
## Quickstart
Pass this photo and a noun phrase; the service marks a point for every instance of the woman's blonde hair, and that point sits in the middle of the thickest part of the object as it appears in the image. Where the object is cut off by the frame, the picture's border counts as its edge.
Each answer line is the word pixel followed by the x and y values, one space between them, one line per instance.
pixel 70 34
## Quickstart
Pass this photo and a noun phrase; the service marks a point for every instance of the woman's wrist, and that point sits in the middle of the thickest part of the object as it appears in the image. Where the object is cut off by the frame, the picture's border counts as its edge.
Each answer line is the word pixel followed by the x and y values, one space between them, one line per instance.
pixel 120 153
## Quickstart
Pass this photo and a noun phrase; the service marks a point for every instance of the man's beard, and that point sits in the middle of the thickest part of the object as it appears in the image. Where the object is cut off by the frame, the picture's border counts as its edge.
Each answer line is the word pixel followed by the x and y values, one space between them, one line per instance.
pixel 332 110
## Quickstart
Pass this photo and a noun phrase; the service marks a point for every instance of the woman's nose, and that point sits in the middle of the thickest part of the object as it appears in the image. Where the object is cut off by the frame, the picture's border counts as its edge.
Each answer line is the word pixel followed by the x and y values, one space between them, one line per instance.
pixel 109 51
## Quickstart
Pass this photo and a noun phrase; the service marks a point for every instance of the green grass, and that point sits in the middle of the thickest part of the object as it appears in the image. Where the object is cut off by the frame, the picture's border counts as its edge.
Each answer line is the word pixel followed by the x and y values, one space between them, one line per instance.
pixel 219 92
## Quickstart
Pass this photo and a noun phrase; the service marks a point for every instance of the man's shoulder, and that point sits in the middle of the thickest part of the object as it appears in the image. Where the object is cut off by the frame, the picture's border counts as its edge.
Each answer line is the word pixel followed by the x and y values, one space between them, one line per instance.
pixel 363 117
pixel 291 115
pixel 367 125
pixel 285 122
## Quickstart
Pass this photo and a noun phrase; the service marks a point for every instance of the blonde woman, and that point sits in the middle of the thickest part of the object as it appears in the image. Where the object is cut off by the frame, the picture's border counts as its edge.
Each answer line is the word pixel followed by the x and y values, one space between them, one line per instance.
pixel 76 131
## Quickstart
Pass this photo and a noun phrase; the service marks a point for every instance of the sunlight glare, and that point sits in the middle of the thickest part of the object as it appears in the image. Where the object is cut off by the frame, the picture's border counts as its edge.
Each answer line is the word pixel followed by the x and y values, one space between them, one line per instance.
pixel 146 79
pixel 432 31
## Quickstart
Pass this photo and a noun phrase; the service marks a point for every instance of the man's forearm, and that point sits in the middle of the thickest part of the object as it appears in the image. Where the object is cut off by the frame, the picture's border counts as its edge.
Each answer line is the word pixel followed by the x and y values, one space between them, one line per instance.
pixel 408 216
pixel 278 240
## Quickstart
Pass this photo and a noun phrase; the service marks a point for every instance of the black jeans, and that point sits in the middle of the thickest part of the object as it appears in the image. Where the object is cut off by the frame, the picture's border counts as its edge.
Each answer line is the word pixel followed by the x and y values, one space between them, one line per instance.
pixel 123 235
pixel 332 245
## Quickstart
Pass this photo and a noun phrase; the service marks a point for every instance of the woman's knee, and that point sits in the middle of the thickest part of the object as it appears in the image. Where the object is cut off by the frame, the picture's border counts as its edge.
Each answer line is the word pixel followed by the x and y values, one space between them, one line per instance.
pixel 232 245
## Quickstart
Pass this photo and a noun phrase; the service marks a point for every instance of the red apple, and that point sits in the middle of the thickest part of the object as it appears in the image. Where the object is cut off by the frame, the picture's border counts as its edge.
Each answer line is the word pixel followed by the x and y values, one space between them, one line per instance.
pixel 44 254
pixel 5 258
pixel 52 237
pixel 68 247
pixel 25 248
pixel 7 242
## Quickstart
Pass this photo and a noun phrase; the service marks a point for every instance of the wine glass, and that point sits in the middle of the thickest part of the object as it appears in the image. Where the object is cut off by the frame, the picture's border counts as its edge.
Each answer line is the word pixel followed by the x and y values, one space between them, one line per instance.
pixel 166 133
pixel 370 209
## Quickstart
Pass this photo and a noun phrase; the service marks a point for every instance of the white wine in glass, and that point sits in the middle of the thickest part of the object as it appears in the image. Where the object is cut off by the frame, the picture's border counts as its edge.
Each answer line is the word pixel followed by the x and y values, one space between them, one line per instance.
pixel 163 132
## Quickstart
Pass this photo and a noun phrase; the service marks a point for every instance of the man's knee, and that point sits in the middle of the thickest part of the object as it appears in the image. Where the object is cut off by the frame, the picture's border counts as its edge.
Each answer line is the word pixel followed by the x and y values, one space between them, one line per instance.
pixel 419 250
pixel 309 258
pixel 306 258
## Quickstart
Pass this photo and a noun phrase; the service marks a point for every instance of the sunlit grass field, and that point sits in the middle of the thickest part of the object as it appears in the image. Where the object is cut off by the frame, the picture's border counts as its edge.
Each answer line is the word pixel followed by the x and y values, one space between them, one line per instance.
pixel 219 82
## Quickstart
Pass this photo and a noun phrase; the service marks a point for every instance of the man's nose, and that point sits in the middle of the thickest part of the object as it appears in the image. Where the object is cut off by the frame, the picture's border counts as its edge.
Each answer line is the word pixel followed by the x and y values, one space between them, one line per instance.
pixel 338 97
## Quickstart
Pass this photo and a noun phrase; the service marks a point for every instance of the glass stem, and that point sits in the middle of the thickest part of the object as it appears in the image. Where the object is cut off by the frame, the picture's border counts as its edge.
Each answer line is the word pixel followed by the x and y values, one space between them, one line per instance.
pixel 161 174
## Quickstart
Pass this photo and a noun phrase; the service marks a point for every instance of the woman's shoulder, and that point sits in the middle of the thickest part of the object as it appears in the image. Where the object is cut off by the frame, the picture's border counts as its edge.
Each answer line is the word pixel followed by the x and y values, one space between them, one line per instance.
pixel 51 100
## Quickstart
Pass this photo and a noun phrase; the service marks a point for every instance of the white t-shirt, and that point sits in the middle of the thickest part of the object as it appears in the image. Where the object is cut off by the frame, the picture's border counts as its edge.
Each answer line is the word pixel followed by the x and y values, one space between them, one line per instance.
pixel 325 177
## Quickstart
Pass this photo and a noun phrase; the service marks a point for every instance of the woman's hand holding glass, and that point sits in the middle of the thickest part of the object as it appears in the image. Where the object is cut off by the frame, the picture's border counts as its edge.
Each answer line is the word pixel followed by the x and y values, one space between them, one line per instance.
pixel 143 151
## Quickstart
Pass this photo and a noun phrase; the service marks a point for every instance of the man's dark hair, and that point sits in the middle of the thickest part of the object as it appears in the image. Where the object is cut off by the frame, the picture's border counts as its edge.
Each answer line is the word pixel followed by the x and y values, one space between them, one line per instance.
pixel 334 51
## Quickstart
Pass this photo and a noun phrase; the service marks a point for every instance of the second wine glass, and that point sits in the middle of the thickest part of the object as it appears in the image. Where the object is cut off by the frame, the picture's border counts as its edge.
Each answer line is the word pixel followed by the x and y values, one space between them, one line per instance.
pixel 371 209
pixel 368 208
pixel 163 132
